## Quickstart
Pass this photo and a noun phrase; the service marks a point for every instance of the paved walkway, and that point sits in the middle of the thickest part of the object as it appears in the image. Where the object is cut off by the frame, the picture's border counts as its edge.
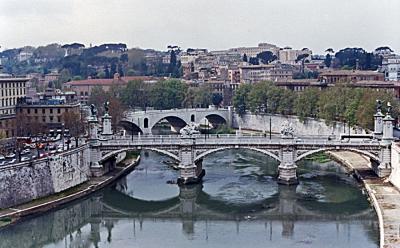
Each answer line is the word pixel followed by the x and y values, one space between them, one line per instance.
pixel 384 196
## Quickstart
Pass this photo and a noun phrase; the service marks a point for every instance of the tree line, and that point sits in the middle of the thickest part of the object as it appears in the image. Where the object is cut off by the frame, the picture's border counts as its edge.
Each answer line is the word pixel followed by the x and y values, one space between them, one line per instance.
pixel 354 106
pixel 164 94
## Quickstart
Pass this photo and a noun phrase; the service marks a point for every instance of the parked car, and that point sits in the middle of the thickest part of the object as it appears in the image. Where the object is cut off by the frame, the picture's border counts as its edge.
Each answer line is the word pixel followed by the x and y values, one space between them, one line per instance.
pixel 26 151
pixel 10 155
pixel 2 157
pixel 2 163
pixel 43 155
pixel 12 161
pixel 23 159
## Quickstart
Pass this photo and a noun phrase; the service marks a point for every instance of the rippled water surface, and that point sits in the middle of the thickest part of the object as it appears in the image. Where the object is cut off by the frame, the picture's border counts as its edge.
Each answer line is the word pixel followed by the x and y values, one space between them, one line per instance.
pixel 239 204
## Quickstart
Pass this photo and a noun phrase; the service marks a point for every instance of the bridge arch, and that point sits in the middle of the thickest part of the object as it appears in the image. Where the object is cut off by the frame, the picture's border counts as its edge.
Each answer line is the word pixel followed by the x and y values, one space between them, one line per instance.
pixel 131 127
pixel 114 153
pixel 360 152
pixel 176 122
pixel 268 153
pixel 216 119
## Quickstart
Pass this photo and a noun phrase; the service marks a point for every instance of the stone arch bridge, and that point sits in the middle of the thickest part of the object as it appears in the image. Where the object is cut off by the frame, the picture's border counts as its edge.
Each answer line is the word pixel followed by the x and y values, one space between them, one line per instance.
pixel 144 121
pixel 188 152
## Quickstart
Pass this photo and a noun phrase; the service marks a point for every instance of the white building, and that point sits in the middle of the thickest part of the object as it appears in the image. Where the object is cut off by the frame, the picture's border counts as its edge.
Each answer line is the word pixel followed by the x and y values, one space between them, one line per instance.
pixel 288 55
pixel 391 68
pixel 258 73
pixel 250 51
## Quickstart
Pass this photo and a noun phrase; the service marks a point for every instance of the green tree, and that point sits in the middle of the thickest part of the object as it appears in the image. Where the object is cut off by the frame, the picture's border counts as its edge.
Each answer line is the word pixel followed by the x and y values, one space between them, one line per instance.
pixel 302 58
pixel 306 103
pixel 203 96
pixel 136 94
pixel 216 99
pixel 241 98
pixel 244 58
pixel 266 57
pixel 168 94
pixel 328 60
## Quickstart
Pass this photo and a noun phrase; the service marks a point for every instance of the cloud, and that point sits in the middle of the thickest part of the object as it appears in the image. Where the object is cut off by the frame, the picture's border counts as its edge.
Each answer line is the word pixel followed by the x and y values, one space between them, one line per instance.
pixel 213 24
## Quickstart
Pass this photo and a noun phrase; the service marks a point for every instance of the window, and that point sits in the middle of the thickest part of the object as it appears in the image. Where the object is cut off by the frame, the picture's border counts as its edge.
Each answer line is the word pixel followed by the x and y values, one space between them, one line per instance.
pixel 35 111
pixel 58 111
pixel 43 111
pixel 51 118
pixel 51 111
pixel 28 110
pixel 146 123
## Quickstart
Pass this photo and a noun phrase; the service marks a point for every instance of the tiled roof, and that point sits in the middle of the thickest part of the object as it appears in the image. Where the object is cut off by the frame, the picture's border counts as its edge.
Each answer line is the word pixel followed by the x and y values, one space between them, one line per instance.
pixel 97 81
pixel 349 72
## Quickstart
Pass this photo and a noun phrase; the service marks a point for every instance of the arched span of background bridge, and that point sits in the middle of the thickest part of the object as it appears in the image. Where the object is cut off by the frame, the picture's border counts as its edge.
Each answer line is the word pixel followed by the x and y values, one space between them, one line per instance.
pixel 144 121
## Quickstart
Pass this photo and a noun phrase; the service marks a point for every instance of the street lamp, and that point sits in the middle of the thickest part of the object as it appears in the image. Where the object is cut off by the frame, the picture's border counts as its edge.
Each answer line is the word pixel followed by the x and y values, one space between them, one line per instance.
pixel 62 134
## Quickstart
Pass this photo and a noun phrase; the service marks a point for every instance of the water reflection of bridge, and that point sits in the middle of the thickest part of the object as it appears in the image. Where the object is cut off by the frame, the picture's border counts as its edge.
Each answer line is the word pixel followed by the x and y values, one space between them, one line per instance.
pixel 192 202
pixel 82 223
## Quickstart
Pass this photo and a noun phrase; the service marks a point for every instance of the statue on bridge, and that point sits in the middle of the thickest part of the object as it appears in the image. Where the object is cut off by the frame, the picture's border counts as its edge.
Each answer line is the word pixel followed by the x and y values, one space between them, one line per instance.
pixel 287 129
pixel 378 106
pixel 93 110
pixel 189 130
pixel 106 107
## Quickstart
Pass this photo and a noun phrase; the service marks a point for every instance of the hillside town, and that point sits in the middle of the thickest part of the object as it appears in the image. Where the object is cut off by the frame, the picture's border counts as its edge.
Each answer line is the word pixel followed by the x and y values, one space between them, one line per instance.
pixel 42 84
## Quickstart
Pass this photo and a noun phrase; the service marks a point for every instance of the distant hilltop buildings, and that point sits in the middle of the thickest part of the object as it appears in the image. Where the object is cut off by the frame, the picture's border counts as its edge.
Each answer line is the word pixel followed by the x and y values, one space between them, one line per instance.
pixel 77 68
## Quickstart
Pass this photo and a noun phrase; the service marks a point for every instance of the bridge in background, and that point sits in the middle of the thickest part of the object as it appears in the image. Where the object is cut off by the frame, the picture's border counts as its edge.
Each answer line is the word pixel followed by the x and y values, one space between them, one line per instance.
pixel 143 121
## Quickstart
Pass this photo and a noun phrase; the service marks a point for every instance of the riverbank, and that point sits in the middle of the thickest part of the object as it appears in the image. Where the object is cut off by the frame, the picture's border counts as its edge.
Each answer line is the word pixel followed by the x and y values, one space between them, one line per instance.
pixel 384 196
pixel 13 215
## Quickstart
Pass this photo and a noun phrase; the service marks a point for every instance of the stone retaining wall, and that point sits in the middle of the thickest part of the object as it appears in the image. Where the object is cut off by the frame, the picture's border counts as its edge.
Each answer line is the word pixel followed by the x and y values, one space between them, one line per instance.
pixel 309 127
pixel 31 180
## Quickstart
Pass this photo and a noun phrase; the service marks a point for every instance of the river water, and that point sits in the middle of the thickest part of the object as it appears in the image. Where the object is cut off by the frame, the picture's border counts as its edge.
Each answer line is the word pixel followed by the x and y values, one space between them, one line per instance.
pixel 239 204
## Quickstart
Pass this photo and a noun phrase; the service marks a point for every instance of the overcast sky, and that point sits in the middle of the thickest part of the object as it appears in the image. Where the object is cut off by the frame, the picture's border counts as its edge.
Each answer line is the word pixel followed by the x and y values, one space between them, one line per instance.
pixel 212 24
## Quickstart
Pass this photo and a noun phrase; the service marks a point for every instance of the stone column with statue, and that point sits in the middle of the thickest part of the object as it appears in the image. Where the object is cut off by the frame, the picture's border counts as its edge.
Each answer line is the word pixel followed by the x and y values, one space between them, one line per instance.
pixel 378 120
pixel 95 154
pixel 385 168
pixel 191 171
pixel 107 130
pixel 287 170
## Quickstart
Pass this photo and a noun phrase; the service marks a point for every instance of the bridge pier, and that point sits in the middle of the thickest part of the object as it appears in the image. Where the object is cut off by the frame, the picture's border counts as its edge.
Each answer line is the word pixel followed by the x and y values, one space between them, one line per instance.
pixel 287 170
pixel 384 169
pixel 96 169
pixel 190 171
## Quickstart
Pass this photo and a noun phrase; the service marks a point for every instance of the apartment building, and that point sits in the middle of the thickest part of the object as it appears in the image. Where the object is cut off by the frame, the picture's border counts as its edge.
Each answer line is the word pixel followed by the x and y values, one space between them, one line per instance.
pixel 335 76
pixel 45 112
pixel 11 90
pixel 258 73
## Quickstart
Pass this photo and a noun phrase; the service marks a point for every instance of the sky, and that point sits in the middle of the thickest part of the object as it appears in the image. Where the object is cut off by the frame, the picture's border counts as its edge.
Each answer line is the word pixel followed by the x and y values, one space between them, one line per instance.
pixel 211 24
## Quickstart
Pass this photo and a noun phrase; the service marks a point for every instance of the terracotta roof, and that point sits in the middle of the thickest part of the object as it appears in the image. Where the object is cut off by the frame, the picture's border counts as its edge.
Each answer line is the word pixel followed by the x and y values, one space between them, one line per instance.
pixel 349 72
pixel 111 81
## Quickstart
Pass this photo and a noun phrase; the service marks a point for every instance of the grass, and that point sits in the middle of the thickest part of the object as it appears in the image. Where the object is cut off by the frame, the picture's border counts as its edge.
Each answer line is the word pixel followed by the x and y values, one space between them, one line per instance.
pixel 5 221
pixel 319 157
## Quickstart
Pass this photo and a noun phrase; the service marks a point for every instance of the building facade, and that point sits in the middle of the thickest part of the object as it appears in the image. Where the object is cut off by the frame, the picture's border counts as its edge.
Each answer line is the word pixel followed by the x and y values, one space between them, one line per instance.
pixel 49 112
pixel 336 76
pixel 391 68
pixel 11 89
pixel 258 73
pixel 83 88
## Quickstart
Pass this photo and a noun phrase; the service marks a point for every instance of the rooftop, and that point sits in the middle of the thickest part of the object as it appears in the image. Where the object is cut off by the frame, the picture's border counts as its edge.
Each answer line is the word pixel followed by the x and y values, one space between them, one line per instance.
pixel 110 81
pixel 348 72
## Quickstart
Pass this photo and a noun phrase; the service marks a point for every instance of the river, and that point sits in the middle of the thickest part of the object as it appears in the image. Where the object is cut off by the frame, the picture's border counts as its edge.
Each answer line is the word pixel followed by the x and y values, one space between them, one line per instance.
pixel 239 204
